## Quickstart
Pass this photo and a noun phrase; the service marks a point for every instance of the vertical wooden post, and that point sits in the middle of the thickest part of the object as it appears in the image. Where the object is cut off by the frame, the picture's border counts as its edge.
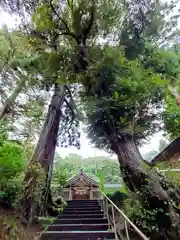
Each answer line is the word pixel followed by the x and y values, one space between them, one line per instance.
pixel 91 194
pixel 70 194
pixel 114 223
pixel 104 207
pixel 126 229
pixel 107 213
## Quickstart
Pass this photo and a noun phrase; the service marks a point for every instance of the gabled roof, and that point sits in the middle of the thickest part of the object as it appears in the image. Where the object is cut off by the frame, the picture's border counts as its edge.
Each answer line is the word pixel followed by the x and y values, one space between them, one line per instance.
pixel 172 149
pixel 78 176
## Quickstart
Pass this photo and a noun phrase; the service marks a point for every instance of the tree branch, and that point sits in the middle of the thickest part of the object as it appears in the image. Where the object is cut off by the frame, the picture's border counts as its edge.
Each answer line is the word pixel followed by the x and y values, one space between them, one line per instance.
pixel 70 4
pixel 87 29
pixel 10 52
pixel 72 111
pixel 37 34
pixel 68 32
pixel 79 115
pixel 69 92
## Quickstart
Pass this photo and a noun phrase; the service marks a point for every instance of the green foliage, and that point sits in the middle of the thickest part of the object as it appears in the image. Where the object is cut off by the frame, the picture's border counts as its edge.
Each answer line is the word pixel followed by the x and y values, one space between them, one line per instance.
pixel 143 218
pixel 101 183
pixel 59 178
pixel 118 198
pixel 163 61
pixel 12 191
pixel 13 164
pixel 120 99
pixel 49 26
pixel 35 184
pixel 11 160
pixel 126 96
pixel 172 118
pixel 46 221
pixel 42 18
pixel 75 16
pixel 166 62
pixel 4 128
pixel 173 176
pixel 94 166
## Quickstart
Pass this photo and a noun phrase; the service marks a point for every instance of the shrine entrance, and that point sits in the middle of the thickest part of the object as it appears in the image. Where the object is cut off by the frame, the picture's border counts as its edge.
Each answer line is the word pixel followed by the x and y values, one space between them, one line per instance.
pixel 80 197
pixel 80 193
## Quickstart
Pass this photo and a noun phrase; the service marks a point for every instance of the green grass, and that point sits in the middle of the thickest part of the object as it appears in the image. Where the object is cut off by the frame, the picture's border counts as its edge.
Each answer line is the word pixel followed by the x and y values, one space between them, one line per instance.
pixel 46 221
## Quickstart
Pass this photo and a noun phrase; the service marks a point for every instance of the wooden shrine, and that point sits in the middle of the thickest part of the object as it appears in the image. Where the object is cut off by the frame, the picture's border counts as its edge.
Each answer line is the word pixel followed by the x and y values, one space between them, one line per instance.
pixel 81 187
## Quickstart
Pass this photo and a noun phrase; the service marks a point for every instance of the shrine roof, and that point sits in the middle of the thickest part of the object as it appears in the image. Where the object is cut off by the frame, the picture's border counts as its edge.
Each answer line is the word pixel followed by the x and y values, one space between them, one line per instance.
pixel 168 152
pixel 76 178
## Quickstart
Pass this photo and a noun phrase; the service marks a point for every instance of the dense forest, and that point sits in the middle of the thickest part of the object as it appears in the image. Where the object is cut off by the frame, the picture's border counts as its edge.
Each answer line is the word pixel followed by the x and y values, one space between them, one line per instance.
pixel 72 164
pixel 113 66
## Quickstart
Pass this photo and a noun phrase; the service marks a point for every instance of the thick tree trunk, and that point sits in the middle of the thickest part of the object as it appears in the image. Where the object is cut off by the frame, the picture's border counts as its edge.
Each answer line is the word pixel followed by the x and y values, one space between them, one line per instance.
pixel 45 148
pixel 148 187
pixel 44 151
pixel 47 193
pixel 10 101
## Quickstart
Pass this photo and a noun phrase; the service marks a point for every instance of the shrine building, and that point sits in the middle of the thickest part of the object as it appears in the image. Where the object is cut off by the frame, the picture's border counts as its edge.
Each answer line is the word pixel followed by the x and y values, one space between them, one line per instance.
pixel 82 187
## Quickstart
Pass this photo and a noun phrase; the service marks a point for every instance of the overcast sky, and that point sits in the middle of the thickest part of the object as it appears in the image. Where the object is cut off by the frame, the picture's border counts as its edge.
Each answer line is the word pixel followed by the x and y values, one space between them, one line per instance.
pixel 87 149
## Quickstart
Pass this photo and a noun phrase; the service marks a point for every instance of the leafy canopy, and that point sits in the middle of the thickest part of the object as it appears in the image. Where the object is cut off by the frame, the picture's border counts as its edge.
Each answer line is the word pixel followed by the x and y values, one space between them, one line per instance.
pixel 122 98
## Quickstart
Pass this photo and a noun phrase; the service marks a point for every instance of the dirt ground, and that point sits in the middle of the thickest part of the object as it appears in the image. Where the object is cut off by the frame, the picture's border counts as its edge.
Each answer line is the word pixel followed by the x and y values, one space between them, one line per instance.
pixel 12 229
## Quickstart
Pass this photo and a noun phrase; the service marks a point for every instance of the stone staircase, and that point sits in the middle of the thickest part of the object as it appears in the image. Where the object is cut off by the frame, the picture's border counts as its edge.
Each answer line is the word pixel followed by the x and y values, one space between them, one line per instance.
pixel 80 220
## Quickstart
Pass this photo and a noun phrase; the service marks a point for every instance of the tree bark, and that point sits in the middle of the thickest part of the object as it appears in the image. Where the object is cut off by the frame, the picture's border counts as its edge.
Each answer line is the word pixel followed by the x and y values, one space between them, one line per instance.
pixel 148 187
pixel 45 148
pixel 47 193
pixel 44 151
pixel 10 101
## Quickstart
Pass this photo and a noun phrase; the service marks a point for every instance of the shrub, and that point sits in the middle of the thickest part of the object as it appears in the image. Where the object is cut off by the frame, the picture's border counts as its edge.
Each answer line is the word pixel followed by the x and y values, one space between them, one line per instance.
pixel 117 198
pixel 144 219
pixel 12 165
pixel 12 160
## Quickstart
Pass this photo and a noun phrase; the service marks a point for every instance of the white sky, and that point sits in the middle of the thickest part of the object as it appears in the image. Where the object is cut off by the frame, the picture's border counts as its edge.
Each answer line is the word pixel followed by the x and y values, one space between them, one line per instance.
pixel 87 149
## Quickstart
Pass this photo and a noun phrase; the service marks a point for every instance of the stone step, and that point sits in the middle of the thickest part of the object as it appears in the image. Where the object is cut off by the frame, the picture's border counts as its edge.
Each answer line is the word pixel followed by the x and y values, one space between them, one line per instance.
pixel 70 215
pixel 85 211
pixel 83 207
pixel 80 221
pixel 77 235
pixel 82 203
pixel 83 200
pixel 78 227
